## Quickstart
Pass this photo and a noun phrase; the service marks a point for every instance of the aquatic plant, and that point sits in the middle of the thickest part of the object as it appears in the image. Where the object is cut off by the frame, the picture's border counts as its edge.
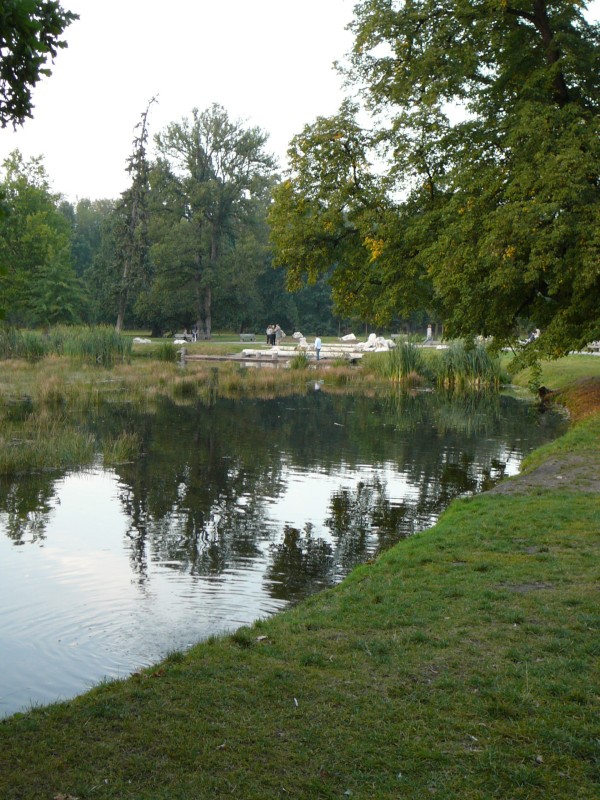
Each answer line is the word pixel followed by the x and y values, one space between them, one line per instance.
pixel 44 440
pixel 166 351
pixel 122 448
pixel 99 344
pixel 463 364
pixel 404 363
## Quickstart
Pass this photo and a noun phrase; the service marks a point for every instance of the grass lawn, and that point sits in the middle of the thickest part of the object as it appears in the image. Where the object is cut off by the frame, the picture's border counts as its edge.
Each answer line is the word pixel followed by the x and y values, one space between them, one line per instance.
pixel 463 663
pixel 563 371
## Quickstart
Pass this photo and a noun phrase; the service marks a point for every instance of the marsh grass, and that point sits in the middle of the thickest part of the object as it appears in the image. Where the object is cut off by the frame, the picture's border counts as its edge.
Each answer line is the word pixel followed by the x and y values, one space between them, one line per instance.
pixel 166 351
pixel 93 344
pixel 403 364
pixel 461 366
pixel 54 388
pixel 43 440
pixel 122 448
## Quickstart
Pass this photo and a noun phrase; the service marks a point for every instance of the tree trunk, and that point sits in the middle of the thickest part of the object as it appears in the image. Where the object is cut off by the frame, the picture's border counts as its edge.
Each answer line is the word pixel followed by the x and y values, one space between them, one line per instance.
pixel 207 311
pixel 539 18
pixel 122 303
pixel 198 299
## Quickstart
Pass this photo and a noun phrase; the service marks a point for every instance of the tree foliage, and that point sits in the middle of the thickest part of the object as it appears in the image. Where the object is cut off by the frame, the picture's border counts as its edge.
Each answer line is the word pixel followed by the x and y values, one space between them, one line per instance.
pixel 487 208
pixel 38 284
pixel 30 34
pixel 132 219
pixel 214 175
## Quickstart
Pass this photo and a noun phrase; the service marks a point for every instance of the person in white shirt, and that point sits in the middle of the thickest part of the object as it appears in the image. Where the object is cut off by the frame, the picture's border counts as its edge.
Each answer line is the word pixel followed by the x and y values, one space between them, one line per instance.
pixel 318 347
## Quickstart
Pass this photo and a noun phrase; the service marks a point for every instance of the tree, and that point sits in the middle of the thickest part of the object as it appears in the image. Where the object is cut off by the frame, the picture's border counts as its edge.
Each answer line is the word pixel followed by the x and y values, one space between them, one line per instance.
pixel 87 218
pixel 133 245
pixel 38 284
pixel 489 113
pixel 30 32
pixel 333 215
pixel 217 173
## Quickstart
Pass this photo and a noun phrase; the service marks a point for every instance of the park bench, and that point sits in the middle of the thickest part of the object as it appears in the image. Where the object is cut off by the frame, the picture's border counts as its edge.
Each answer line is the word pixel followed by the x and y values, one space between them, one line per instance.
pixel 594 347
pixel 247 337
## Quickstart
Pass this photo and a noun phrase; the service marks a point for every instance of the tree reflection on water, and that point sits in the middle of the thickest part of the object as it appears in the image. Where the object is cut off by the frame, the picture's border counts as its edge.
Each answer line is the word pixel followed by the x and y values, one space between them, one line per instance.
pixel 200 498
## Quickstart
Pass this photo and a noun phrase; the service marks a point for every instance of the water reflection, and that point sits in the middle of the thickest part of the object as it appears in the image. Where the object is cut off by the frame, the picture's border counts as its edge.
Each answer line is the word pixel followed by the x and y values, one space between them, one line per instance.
pixel 234 510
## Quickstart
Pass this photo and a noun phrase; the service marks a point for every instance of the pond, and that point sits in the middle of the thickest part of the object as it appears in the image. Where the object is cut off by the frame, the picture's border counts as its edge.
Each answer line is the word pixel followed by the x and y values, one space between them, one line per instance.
pixel 234 510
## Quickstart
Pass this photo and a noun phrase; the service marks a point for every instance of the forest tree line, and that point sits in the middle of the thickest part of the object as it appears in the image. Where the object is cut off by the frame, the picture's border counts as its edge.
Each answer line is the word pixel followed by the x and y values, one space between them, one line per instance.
pixel 185 244
pixel 461 185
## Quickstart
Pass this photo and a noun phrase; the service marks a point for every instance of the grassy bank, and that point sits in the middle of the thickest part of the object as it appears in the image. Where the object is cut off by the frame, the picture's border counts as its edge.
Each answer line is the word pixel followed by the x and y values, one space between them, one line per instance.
pixel 461 664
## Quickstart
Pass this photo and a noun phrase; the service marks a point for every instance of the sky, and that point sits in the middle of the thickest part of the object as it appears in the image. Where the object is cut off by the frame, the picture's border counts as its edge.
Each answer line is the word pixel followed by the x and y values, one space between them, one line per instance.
pixel 269 63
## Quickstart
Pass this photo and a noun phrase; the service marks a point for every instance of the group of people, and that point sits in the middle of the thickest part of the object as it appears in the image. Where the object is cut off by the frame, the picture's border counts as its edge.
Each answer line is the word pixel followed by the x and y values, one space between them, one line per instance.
pixel 190 336
pixel 274 334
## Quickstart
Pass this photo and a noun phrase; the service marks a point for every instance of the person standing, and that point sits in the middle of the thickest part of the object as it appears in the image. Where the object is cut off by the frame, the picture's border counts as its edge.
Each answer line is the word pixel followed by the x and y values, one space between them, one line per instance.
pixel 279 334
pixel 269 333
pixel 318 344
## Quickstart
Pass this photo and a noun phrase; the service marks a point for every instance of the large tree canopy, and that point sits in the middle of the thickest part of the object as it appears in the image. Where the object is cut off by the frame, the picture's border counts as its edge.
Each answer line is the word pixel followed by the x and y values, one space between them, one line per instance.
pixel 215 176
pixel 30 32
pixel 488 113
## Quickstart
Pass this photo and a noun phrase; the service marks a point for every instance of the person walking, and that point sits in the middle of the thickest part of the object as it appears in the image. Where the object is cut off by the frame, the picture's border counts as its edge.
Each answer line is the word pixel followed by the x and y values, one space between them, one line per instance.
pixel 318 344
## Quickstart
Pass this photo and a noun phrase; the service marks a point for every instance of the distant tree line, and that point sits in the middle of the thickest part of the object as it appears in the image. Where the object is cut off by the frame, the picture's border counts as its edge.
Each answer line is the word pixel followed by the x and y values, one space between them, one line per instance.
pixel 185 245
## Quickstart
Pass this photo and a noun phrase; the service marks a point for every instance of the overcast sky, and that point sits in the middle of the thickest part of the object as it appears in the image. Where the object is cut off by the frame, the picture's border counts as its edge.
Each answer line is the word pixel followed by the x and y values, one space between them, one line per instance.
pixel 268 62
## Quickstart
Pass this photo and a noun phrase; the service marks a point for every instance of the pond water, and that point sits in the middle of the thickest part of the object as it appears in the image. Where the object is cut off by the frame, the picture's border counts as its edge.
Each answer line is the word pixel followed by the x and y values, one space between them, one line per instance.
pixel 234 510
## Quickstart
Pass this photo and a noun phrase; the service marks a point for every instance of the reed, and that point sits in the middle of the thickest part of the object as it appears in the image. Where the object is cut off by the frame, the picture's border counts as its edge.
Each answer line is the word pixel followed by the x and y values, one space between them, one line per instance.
pixel 166 351
pixel 98 344
pixel 30 345
pixel 463 365
pixel 403 364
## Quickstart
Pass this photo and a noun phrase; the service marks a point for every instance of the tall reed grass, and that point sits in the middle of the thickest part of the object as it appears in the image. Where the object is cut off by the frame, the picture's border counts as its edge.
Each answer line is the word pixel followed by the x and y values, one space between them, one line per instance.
pixel 463 365
pixel 99 344
pixel 403 364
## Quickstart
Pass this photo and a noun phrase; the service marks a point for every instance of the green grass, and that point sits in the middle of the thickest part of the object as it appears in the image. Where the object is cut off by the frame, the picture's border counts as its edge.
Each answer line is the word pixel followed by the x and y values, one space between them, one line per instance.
pixel 561 372
pixel 463 663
